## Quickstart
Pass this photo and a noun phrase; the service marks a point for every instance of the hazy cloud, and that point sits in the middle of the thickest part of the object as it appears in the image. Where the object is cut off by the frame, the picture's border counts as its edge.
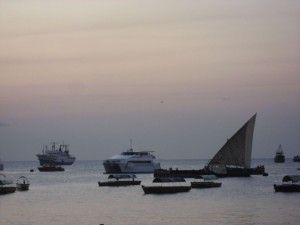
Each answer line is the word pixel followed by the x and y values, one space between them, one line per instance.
pixel 3 124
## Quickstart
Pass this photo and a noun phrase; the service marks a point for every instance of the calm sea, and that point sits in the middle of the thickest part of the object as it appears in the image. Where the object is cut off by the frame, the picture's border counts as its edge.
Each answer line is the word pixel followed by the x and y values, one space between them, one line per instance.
pixel 73 197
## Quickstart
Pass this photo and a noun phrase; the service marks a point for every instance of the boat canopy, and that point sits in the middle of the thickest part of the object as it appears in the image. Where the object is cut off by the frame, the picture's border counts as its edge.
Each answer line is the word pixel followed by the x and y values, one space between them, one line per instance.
pixel 293 178
pixel 207 177
pixel 168 180
pixel 238 149
pixel 121 176
pixel 23 179
pixel 4 181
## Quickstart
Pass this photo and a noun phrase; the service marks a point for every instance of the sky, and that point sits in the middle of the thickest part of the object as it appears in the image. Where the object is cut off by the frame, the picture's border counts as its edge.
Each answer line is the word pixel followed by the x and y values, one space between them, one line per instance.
pixel 177 77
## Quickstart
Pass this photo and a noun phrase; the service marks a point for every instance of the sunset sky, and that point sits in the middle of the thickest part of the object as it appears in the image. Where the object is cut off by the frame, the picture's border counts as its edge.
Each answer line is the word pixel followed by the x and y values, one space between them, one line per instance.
pixel 176 77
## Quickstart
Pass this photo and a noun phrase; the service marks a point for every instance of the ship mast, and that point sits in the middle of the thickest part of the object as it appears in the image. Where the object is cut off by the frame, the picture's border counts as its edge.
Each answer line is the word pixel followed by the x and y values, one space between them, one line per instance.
pixel 131 149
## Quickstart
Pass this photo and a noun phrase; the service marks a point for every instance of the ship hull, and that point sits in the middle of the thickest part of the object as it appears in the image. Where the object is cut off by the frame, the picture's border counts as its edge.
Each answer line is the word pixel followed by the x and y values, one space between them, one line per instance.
pixel 44 159
pixel 230 172
pixel 205 184
pixel 279 159
pixel 7 190
pixel 165 189
pixel 119 183
pixel 287 187
pixel 112 167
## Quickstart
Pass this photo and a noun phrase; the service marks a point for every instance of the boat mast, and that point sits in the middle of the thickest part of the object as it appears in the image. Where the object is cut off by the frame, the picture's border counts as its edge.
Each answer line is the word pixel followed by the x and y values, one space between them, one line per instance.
pixel 131 149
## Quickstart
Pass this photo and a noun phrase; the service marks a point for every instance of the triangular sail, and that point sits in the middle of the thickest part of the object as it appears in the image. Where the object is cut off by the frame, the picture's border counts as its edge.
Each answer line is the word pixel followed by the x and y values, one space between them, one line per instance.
pixel 238 149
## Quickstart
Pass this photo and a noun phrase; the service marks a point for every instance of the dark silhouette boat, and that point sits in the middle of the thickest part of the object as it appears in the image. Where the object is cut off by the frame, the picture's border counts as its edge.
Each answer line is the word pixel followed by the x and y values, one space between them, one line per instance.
pixel 206 181
pixel 232 160
pixel 290 183
pixel 22 184
pixel 296 158
pixel 6 186
pixel 279 157
pixel 1 165
pixel 167 186
pixel 120 180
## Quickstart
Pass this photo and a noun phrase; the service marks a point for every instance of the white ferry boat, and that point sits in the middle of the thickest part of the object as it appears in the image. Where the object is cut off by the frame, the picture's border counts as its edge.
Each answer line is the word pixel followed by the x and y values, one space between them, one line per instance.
pixel 58 156
pixel 132 162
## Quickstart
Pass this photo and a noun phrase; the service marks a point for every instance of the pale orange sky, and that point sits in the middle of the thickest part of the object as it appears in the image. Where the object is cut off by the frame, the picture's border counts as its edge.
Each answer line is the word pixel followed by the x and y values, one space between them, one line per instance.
pixel 171 75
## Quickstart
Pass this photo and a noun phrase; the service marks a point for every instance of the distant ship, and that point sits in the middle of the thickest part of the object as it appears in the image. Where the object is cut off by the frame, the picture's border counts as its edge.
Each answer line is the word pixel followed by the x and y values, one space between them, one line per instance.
pixel 279 157
pixel 1 165
pixel 55 156
pixel 132 162
pixel 296 158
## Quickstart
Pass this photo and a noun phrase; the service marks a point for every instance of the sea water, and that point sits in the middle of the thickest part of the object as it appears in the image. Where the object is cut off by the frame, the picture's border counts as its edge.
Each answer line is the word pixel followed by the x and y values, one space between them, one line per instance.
pixel 73 197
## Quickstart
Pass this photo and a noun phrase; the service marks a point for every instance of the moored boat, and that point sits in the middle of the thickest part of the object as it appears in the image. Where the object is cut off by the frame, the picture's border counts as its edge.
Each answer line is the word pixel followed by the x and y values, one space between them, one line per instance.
pixel 22 184
pixel 60 156
pixel 50 168
pixel 131 161
pixel 1 165
pixel 290 183
pixel 120 180
pixel 6 186
pixel 167 186
pixel 232 160
pixel 296 158
pixel 206 181
pixel 279 157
